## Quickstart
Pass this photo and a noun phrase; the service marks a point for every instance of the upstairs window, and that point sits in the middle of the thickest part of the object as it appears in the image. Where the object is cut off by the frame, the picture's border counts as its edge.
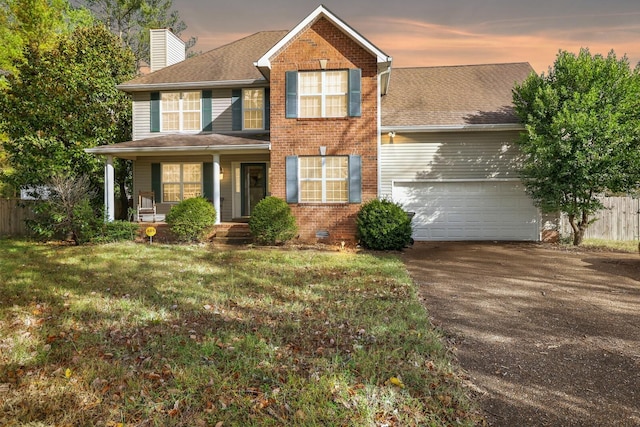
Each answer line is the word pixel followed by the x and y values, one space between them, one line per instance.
pixel 180 111
pixel 323 94
pixel 253 108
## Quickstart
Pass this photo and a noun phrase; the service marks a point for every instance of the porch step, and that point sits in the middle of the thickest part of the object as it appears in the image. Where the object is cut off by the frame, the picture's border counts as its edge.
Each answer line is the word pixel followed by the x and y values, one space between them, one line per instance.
pixel 233 233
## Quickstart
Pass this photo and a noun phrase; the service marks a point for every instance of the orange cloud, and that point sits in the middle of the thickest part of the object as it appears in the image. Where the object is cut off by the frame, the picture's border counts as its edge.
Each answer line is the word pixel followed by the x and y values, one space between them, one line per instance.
pixel 417 43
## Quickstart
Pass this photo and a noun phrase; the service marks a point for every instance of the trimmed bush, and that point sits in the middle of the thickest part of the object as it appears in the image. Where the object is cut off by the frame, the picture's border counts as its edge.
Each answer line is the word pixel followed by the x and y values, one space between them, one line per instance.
pixel 271 222
pixel 191 219
pixel 383 225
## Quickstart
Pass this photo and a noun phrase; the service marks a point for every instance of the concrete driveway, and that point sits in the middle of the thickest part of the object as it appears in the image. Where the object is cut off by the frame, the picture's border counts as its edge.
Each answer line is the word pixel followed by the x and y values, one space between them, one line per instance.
pixel 547 337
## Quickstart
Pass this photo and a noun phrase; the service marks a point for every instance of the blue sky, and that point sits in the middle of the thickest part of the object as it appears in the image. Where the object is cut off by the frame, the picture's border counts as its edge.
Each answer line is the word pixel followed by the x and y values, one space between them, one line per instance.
pixel 437 32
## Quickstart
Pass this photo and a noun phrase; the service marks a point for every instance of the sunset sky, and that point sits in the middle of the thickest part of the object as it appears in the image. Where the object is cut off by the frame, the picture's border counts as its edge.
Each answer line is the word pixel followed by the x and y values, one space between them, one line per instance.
pixel 439 32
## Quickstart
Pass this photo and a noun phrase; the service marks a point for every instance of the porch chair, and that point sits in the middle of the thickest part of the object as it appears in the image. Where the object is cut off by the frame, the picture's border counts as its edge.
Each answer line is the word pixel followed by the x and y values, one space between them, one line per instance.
pixel 146 204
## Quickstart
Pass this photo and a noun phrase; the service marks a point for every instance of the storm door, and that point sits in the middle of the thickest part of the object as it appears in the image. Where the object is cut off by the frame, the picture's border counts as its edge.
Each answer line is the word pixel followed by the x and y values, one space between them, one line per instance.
pixel 253 178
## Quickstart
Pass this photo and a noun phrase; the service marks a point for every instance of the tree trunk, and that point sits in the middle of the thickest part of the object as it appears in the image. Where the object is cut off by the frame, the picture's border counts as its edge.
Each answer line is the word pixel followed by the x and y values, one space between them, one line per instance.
pixel 579 228
pixel 124 202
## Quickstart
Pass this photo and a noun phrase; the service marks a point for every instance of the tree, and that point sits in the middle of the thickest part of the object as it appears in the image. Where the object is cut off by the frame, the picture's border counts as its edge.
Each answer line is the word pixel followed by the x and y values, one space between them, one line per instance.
pixel 37 24
pixel 65 100
pixel 582 134
pixel 131 20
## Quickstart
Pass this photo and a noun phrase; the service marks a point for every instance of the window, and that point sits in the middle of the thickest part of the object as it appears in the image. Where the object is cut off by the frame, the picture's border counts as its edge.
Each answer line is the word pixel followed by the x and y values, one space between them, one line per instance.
pixel 180 111
pixel 324 179
pixel 253 108
pixel 181 181
pixel 323 93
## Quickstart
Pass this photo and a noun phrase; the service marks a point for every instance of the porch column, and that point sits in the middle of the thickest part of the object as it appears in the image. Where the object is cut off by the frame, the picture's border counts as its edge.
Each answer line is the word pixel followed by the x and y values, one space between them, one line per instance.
pixel 216 186
pixel 109 199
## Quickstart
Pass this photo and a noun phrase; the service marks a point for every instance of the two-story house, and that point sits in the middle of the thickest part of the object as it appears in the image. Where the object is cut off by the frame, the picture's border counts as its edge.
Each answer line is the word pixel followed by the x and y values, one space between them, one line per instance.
pixel 317 116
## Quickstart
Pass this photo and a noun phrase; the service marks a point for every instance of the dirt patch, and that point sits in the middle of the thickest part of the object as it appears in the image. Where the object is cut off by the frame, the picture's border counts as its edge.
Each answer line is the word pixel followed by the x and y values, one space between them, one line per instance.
pixel 548 337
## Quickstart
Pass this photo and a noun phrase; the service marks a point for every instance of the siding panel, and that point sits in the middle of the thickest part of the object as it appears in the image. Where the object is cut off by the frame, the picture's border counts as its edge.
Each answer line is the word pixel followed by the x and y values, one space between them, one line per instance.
pixel 221 109
pixel 141 116
pixel 452 155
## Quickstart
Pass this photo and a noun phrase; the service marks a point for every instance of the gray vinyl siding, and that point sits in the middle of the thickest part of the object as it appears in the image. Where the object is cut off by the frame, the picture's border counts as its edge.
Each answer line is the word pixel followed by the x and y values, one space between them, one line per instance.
pixel 142 116
pixel 221 110
pixel 158 49
pixel 165 49
pixel 447 156
pixel 142 177
pixel 220 106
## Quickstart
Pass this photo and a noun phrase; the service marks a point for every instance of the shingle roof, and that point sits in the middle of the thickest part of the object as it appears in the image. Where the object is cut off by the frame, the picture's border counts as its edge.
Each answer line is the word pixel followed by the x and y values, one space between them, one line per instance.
pixel 193 141
pixel 234 61
pixel 457 95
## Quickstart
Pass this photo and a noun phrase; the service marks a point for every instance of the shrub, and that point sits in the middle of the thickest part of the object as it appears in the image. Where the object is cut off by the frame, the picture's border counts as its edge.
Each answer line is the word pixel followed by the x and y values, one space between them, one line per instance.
pixel 67 212
pixel 116 231
pixel 383 225
pixel 272 222
pixel 191 219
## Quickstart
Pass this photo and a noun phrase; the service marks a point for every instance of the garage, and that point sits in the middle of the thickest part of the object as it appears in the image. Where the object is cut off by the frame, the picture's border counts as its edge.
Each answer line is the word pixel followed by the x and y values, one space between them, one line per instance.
pixel 469 210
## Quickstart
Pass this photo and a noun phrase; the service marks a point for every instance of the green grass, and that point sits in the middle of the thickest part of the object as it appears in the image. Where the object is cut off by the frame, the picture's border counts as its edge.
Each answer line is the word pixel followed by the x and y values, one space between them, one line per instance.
pixel 612 245
pixel 126 334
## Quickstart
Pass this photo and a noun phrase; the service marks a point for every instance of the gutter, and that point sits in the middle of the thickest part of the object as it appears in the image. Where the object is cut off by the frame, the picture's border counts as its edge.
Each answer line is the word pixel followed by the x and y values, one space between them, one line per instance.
pixel 103 149
pixel 143 87
pixel 454 128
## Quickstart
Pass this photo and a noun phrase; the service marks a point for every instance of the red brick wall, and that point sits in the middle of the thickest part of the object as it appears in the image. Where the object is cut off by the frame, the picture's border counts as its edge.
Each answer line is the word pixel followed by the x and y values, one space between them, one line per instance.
pixel 342 136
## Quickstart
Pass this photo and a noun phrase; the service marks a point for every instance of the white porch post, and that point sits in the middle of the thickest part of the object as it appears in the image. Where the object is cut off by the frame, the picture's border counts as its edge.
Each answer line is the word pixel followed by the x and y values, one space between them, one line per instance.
pixel 216 186
pixel 109 199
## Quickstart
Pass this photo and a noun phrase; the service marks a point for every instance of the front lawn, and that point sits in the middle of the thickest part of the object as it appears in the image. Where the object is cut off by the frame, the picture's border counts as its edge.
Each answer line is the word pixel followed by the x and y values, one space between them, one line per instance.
pixel 154 335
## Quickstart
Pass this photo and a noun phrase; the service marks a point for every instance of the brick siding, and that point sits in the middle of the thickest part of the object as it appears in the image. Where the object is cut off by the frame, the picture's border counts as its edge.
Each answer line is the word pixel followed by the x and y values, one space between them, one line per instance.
pixel 341 136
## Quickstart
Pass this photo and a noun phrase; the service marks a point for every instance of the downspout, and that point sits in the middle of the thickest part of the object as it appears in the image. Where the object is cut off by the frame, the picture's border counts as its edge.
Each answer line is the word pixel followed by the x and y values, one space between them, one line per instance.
pixel 379 130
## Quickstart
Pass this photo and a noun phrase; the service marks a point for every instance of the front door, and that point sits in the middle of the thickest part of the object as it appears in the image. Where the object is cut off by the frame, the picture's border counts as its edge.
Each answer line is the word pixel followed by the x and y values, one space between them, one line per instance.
pixel 253 180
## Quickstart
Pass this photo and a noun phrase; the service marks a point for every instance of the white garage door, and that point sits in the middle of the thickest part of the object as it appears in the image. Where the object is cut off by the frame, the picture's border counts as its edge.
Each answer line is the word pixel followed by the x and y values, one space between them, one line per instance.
pixel 469 210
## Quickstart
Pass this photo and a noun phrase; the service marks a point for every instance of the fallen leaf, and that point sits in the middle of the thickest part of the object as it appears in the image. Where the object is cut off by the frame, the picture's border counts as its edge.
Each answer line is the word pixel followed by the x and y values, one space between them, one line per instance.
pixel 67 373
pixel 396 382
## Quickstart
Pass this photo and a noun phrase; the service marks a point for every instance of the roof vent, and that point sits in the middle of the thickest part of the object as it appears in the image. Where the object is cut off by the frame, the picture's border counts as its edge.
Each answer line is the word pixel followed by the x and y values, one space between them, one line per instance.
pixel 322 234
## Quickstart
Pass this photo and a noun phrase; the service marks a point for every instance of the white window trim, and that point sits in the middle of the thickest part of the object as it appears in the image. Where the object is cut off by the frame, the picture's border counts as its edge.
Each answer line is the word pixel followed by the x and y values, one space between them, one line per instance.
pixel 244 109
pixel 323 95
pixel 323 179
pixel 182 181
pixel 181 112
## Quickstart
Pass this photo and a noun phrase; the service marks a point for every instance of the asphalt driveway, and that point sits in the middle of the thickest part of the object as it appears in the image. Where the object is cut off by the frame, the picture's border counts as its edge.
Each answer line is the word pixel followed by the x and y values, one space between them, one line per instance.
pixel 547 337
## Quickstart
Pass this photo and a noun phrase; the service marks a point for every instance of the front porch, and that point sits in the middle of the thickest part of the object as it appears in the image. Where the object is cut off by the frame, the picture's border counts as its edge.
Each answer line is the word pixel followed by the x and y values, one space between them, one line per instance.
pixel 231 171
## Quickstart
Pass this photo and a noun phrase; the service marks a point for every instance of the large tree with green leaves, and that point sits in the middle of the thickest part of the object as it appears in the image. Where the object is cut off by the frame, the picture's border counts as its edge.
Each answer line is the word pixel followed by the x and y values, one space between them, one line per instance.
pixel 131 20
pixel 65 100
pixel 582 135
pixel 35 24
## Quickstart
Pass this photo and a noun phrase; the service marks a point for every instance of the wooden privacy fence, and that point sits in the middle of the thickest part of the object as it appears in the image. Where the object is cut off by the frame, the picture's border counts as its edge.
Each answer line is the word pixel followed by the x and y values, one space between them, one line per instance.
pixel 619 220
pixel 12 217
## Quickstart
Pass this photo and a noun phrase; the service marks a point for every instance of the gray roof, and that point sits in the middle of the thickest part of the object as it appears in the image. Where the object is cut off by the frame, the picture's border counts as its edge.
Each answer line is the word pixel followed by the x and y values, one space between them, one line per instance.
pixel 234 61
pixel 456 95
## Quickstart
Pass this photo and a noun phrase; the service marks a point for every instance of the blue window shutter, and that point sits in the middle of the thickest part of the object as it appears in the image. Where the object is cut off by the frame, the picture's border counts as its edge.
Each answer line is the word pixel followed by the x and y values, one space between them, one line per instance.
pixel 155 111
pixel 355 178
pixel 207 181
pixel 236 109
pixel 267 108
pixel 291 83
pixel 355 92
pixel 156 181
pixel 292 179
pixel 206 111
